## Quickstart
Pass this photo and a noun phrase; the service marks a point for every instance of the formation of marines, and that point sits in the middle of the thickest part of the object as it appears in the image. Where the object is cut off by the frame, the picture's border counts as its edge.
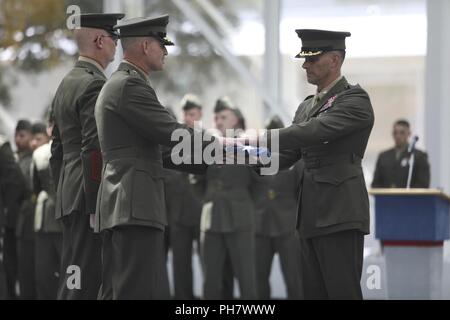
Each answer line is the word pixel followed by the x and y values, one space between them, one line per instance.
pixel 98 203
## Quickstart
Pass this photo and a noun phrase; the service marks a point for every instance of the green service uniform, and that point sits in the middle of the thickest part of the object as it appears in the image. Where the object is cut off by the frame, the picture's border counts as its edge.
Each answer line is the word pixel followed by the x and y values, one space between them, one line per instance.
pixel 76 165
pixel 183 209
pixel 25 233
pixel 228 230
pixel 331 137
pixel 48 230
pixel 392 170
pixel 12 193
pixel 131 212
pixel 276 200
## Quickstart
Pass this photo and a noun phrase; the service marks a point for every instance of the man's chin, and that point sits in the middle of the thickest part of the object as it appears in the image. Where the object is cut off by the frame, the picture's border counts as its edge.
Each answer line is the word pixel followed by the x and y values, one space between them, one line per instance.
pixel 311 81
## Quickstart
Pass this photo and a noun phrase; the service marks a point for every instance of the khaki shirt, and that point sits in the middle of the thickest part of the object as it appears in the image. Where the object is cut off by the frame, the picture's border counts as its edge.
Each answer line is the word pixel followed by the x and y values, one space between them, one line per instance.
pixel 92 61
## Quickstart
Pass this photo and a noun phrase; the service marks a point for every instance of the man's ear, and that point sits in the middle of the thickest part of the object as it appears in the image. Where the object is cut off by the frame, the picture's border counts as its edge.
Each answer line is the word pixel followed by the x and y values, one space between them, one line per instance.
pixel 336 60
pixel 99 42
pixel 145 45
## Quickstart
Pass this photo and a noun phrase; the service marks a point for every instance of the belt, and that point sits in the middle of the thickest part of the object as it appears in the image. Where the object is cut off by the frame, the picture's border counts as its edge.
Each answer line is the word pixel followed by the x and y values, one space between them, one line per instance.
pixel 130 152
pixel 324 161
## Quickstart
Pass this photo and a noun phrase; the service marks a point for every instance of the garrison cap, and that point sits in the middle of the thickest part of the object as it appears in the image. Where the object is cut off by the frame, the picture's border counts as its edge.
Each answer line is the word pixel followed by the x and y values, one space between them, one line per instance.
pixel 190 101
pixel 223 103
pixel 145 27
pixel 105 21
pixel 317 42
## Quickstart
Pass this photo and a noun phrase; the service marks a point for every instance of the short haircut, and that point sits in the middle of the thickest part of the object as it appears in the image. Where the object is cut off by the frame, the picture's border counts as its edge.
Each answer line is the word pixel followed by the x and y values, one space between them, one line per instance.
pixel 39 127
pixel 402 122
pixel 23 125
pixel 341 53
pixel 128 42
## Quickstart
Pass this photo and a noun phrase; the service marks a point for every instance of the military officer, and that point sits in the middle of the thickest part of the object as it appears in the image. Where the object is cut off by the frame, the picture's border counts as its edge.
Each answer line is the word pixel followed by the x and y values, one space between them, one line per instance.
pixel 76 159
pixel 48 231
pixel 228 221
pixel 184 209
pixel 276 213
pixel 132 124
pixel 329 132
pixel 392 166
pixel 24 223
pixel 12 193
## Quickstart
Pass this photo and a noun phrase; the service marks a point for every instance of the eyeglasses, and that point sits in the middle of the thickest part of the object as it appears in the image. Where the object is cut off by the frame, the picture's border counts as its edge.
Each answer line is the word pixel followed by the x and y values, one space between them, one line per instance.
pixel 114 37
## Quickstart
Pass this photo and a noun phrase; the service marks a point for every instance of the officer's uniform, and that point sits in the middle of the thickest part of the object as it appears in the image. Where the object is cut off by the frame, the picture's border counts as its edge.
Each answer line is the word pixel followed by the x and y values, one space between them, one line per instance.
pixel 131 209
pixel 25 233
pixel 276 213
pixel 331 137
pixel 228 228
pixel 76 164
pixel 393 167
pixel 12 193
pixel 48 230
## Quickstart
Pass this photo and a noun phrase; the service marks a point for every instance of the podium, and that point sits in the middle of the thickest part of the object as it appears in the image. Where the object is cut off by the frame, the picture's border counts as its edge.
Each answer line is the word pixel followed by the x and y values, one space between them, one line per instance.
pixel 412 225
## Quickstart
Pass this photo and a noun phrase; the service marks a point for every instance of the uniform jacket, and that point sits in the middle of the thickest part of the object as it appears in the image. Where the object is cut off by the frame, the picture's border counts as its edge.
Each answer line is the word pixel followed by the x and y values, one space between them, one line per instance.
pixel 276 200
pixel 76 159
pixel 25 218
pixel 331 139
pixel 12 186
pixel 182 204
pixel 132 124
pixel 393 173
pixel 230 189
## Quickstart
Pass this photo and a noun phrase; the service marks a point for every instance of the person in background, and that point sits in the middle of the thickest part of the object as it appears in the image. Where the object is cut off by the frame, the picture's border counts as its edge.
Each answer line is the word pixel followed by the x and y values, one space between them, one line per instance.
pixel 183 211
pixel 24 224
pixel 276 198
pixel 12 192
pixel 170 186
pixel 392 166
pixel 48 237
pixel 227 221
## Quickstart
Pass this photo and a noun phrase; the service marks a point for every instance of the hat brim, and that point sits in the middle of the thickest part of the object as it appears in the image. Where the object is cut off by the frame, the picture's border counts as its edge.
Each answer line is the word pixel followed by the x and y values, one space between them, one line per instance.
pixel 306 54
